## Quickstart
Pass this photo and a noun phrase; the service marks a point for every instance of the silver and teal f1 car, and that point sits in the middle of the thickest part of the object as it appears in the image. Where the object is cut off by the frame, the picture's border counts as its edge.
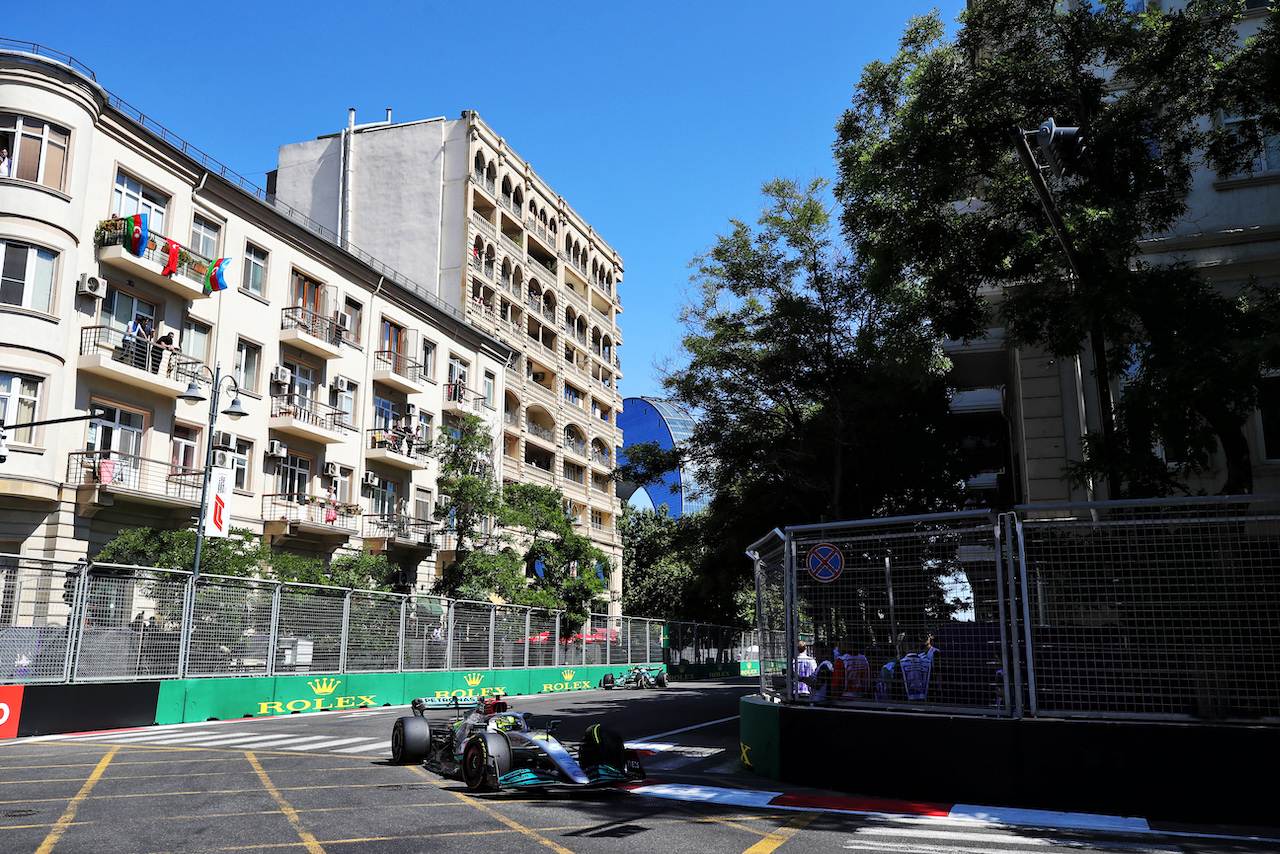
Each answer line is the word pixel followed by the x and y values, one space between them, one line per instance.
pixel 638 676
pixel 491 748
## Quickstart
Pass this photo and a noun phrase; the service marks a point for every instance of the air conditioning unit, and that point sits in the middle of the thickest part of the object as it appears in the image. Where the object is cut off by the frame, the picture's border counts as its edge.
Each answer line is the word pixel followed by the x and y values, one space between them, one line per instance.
pixel 276 448
pixel 370 479
pixel 330 469
pixel 91 286
pixel 539 376
pixel 282 375
pixel 343 320
pixel 341 384
pixel 223 459
pixel 410 410
pixel 223 439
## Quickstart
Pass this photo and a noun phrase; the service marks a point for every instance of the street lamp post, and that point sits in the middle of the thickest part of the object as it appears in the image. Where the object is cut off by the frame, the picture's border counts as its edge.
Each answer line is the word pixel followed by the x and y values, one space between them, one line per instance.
pixel 234 412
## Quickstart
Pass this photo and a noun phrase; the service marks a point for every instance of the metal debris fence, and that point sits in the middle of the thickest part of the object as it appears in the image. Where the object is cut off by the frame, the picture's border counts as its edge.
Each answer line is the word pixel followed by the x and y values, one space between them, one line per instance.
pixel 63 621
pixel 1163 609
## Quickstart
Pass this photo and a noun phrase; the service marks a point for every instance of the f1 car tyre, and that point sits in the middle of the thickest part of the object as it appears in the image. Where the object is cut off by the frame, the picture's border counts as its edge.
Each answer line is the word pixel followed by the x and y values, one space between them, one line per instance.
pixel 601 746
pixel 476 756
pixel 661 679
pixel 607 682
pixel 410 740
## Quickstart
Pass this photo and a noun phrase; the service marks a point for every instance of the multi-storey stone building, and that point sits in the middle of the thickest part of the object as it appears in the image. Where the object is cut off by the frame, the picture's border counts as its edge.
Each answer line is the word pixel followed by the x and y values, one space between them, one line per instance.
pixel 451 204
pixel 341 361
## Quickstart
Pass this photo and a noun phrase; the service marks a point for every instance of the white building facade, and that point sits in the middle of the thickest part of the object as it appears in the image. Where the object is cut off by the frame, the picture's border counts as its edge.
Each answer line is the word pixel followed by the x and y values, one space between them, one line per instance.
pixel 342 362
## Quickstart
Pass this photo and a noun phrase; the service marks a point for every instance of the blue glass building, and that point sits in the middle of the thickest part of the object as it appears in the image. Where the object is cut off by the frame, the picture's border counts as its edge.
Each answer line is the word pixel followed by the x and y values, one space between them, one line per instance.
pixel 648 419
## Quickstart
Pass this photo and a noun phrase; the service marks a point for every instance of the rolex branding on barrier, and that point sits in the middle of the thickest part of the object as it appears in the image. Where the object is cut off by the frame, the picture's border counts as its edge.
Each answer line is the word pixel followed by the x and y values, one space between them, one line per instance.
pixel 324 690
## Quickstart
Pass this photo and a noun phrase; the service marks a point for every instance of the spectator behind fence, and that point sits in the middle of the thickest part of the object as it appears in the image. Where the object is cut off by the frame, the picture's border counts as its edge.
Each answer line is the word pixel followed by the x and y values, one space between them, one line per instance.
pixel 820 682
pixel 851 674
pixel 801 669
pixel 917 665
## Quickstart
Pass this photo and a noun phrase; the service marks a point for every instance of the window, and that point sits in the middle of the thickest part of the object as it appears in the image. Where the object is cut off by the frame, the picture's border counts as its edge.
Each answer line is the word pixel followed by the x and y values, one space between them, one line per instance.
pixel 429 359
pixel 573 472
pixel 344 400
pixel 255 270
pixel 391 338
pixel 422 507
pixel 19 403
pixel 195 339
pixel 248 365
pixel 37 150
pixel 457 371
pixel 489 385
pixel 386 412
pixel 132 197
pixel 572 395
pixel 597 519
pixel 384 497
pixel 295 477
pixel 204 237
pixel 355 320
pixel 1268 160
pixel 182 449
pixel 342 486
pixel 26 276
pixel 425 426
pixel 306 292
pixel 240 462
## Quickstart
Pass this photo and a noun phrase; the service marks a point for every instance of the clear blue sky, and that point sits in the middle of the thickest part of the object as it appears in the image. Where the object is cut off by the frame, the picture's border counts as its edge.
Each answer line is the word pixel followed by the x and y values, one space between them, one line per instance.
pixel 657 122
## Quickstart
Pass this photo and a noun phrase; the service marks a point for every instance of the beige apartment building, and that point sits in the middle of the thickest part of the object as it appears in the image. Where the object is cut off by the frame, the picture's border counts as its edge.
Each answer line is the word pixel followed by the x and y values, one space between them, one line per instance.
pixel 341 361
pixel 450 203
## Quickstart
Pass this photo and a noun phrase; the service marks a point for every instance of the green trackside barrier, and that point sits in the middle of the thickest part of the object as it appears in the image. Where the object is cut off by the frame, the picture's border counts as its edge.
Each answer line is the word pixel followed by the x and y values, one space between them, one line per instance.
pixel 748 668
pixel 186 700
pixel 758 736
pixel 691 672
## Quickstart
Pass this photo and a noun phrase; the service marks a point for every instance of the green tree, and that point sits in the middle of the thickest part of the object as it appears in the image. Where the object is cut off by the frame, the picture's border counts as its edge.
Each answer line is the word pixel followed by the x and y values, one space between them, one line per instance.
pixel 464 449
pixel 815 398
pixel 934 199
pixel 657 579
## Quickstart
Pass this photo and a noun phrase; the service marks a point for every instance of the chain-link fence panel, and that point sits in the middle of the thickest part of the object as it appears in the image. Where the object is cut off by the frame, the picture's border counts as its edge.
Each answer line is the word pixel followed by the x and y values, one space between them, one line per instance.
pixel 545 648
pixel 1155 609
pixel 227 616
pixel 114 644
pixel 901 609
pixel 470 641
pixel 36 602
pixel 309 629
pixel 374 631
pixel 426 638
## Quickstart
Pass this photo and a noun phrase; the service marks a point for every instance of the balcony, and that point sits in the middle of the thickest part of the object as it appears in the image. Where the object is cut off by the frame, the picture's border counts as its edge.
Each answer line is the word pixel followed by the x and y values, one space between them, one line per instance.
pixel 543 433
pixel 977 400
pixel 313 332
pixel 539 267
pixel 310 517
pixel 104 478
pixel 483 224
pixel 301 416
pixel 397 448
pixel 382 531
pixel 457 398
pixel 186 281
pixel 398 371
pixel 111 354
pixel 600 458
pixel 577 447
pixel 480 180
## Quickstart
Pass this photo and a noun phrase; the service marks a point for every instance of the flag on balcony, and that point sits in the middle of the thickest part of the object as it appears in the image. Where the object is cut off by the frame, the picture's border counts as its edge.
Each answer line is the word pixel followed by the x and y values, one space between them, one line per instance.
pixel 135 234
pixel 216 278
pixel 171 265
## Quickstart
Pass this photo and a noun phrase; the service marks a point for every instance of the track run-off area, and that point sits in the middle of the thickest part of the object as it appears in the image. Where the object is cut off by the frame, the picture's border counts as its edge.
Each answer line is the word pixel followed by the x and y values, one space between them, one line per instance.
pixel 323 782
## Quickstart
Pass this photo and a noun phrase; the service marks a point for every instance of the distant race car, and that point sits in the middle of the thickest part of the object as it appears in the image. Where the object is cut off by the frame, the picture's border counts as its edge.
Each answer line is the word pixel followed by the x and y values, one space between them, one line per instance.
pixel 639 676
pixel 491 748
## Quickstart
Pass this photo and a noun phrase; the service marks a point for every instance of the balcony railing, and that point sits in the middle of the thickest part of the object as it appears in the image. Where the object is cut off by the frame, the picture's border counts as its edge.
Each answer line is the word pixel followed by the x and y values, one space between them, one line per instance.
pixel 314 510
pixel 133 352
pixel 541 432
pixel 600 457
pixel 399 364
pixel 402 529
pixel 483 224
pixel 546 271
pixel 310 412
pixel 193 265
pixel 512 418
pixel 478 177
pixel 458 396
pixel 575 446
pixel 313 323
pixel 398 441
pixel 117 472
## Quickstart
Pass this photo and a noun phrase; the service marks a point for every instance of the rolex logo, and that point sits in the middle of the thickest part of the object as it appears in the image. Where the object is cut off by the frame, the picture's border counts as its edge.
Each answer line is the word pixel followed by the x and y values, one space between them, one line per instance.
pixel 567 674
pixel 324 686
pixel 474 679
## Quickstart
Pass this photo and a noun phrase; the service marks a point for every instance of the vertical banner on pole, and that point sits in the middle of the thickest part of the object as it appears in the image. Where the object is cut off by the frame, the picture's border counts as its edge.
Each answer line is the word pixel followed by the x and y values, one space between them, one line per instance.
pixel 217 520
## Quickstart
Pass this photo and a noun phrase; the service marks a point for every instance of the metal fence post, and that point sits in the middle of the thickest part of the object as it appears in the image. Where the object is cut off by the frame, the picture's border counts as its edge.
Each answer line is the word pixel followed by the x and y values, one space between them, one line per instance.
pixel 450 622
pixel 493 631
pixel 1031 700
pixel 76 620
pixel 404 617
pixel 273 633
pixel 528 633
pixel 187 626
pixel 345 633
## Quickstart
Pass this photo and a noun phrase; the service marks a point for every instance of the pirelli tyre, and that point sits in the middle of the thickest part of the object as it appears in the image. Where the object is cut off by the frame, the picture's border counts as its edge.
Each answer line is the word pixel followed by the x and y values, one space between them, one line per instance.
pixel 485 757
pixel 661 679
pixel 602 746
pixel 607 682
pixel 410 740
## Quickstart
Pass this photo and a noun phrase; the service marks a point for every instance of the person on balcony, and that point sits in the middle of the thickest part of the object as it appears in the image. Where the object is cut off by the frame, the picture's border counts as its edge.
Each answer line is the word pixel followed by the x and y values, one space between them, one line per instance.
pixel 164 344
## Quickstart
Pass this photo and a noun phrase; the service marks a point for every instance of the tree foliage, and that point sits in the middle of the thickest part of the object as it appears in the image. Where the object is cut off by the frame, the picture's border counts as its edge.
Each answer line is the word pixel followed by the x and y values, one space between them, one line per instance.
pixel 657 576
pixel 930 129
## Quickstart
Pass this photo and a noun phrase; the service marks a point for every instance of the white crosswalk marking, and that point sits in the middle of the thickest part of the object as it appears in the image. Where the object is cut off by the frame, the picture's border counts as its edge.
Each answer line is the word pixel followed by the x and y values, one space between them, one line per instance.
pixel 377 744
pixel 247 739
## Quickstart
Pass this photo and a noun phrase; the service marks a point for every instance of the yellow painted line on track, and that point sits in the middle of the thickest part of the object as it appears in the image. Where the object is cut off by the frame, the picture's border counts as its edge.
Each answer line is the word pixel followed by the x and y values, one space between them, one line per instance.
pixel 311 843
pixel 781 835
pixel 69 814
pixel 490 811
